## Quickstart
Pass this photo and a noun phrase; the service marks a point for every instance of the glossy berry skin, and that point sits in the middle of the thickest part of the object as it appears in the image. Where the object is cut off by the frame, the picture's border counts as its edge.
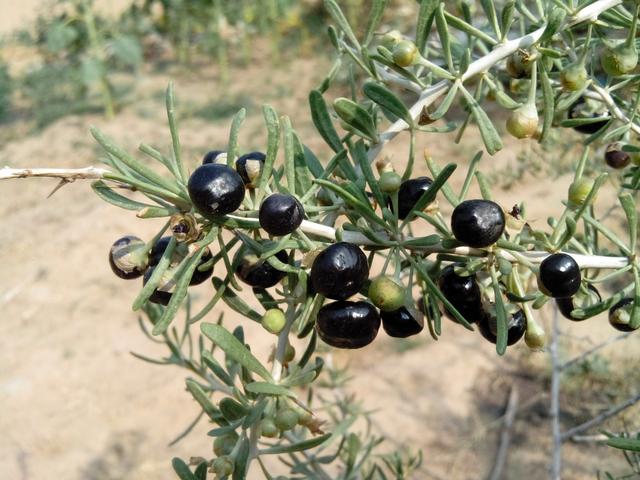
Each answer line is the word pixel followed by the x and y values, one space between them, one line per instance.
pixel 346 324
pixel 409 193
pixel 249 167
pixel 198 277
pixel 560 275
pixel 616 314
pixel 159 296
pixel 567 305
pixel 260 274
pixel 339 271
pixel 462 292
pixel 516 327
pixel 158 250
pixel 478 223
pixel 280 214
pixel 401 323
pixel 126 257
pixel 589 128
pixel 215 189
pixel 615 157
pixel 212 156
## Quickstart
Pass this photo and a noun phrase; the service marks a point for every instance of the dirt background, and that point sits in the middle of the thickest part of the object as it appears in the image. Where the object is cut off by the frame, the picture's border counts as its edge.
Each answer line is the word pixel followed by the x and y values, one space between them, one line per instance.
pixel 76 405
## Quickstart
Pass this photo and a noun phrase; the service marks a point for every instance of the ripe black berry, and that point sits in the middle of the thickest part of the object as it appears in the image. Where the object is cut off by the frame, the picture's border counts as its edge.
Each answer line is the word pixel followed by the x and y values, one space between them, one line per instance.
pixel 216 189
pixel 615 157
pixel 339 271
pixel 260 273
pixel 199 275
pixel 620 315
pixel 516 327
pixel 127 257
pixel 462 292
pixel 568 304
pixel 280 214
pixel 560 275
pixel 215 156
pixel 409 193
pixel 249 167
pixel 579 110
pixel 478 223
pixel 345 324
pixel 162 294
pixel 401 323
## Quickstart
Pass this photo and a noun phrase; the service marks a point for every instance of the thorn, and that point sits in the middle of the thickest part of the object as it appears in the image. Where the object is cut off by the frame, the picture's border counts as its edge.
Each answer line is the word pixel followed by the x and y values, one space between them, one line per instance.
pixel 61 184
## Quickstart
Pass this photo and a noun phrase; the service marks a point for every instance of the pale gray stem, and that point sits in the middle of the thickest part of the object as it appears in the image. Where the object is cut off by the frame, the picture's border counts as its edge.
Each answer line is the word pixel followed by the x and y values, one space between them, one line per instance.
pixel 595 348
pixel 505 436
pixel 68 174
pixel 556 372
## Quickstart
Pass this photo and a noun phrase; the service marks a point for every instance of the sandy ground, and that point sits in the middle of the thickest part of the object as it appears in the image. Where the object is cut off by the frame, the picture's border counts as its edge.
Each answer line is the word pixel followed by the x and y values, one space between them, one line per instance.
pixel 76 405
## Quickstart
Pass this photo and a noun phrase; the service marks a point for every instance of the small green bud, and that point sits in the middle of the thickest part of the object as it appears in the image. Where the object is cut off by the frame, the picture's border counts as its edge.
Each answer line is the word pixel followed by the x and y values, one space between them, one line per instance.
pixel 224 445
pixel 268 428
pixel 579 190
pixel 405 53
pixel 386 294
pixel 574 77
pixel 523 122
pixel 389 182
pixel 286 419
pixel 619 60
pixel 391 39
pixel 274 320
pixel 222 466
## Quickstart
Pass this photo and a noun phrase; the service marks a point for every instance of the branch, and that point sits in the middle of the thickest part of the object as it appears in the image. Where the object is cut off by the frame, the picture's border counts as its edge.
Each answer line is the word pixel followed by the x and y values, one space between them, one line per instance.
pixel 601 418
pixel 594 349
pixel 505 436
pixel 67 174
pixel 554 411
pixel 613 108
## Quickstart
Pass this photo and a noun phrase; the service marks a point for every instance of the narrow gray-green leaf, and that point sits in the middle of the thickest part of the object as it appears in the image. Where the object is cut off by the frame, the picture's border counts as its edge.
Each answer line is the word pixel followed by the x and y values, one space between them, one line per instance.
pixel 267 388
pixel 548 99
pixel 356 116
pixel 375 15
pixel 273 143
pixel 296 447
pixel 175 139
pixel 425 20
pixel 322 121
pixel 234 349
pixel 490 136
pixel 232 146
pixel 202 398
pixel 182 470
pixel 387 100
pixel 289 154
pixel 108 195
pixel 235 302
pixel 338 17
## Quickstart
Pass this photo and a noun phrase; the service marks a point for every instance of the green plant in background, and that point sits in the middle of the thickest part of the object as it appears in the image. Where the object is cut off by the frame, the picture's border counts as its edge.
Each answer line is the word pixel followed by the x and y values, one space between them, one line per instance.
pixel 6 87
pixel 298 236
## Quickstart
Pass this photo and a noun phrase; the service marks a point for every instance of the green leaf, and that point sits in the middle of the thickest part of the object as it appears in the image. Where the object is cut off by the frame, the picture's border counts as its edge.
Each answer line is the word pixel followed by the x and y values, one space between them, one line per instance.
pixel 273 143
pixel 170 103
pixel 425 20
pixel 289 154
pixel 92 70
pixel 203 399
pixel 235 302
pixel 375 15
pixel 359 153
pixel 127 50
pixel 554 21
pixel 155 278
pixel 296 447
pixel 232 409
pixel 322 121
pixel 443 33
pixel 490 136
pixel 242 460
pixel 234 349
pixel 501 315
pixel 630 444
pixel 303 179
pixel 387 100
pixel 361 207
pixel 629 207
pixel 232 146
pixel 548 99
pixel 338 17
pixel 267 388
pixel 216 368
pixel 357 117
pixel 445 105
pixel 59 37
pixel 108 195
pixel 182 470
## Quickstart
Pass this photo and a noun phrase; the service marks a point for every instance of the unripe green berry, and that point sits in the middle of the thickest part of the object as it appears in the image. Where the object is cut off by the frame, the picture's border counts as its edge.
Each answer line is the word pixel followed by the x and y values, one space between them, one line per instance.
pixel 274 320
pixel 286 419
pixel 534 337
pixel 391 39
pixel 386 294
pixel 523 122
pixel 574 77
pixel 579 190
pixel 405 53
pixel 289 353
pixel 224 445
pixel 389 182
pixel 619 60
pixel 268 428
pixel 222 466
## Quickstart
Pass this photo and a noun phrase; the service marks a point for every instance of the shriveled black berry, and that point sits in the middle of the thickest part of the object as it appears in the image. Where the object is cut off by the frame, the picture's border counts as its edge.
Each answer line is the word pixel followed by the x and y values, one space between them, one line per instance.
pixel 577 110
pixel 409 193
pixel 280 214
pixel 127 258
pixel 260 273
pixel 162 294
pixel 616 157
pixel 560 275
pixel 158 250
pixel 249 167
pixel 346 324
pixel 401 323
pixel 213 156
pixel 462 292
pixel 339 271
pixel 198 277
pixel 568 304
pixel 516 327
pixel 478 223
pixel 620 315
pixel 216 189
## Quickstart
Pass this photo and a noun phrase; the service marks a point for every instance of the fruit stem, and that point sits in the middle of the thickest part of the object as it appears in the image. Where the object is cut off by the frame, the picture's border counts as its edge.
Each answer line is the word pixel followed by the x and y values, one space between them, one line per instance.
pixel 283 342
pixel 631 38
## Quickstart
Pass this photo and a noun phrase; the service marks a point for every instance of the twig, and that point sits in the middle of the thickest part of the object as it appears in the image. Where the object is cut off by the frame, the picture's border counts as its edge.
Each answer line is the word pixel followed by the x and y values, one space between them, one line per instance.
pixel 594 349
pixel 598 438
pixel 67 174
pixel 556 372
pixel 601 418
pixel 505 436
